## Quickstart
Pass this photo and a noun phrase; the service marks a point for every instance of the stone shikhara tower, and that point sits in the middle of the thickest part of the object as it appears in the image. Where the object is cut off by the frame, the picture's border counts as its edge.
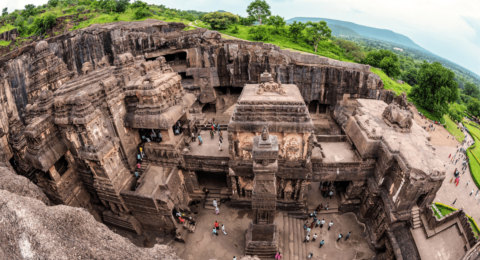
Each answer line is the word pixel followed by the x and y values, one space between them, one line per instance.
pixel 262 234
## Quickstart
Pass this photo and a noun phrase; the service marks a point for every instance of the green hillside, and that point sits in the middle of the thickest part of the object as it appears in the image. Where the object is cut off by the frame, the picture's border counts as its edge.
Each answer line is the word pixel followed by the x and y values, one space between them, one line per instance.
pixel 370 32
pixel 338 30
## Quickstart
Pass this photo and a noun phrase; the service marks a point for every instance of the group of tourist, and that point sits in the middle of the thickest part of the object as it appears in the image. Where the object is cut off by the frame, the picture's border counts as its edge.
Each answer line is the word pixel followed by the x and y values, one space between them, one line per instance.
pixel 215 128
pixel 326 189
pixel 216 227
pixel 150 135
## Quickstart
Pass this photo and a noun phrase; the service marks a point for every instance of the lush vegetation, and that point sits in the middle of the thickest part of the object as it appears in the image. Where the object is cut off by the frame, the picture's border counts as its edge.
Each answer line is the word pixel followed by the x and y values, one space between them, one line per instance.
pixel 473 153
pixel 445 210
pixel 391 84
pixel 453 129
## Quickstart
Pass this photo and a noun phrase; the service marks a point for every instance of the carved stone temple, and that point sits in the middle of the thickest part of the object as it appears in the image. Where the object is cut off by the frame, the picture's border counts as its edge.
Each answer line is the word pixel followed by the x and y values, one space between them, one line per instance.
pixel 76 109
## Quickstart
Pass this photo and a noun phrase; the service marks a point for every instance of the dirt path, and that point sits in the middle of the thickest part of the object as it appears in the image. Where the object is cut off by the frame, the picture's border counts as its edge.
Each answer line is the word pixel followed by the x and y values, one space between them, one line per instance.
pixel 440 135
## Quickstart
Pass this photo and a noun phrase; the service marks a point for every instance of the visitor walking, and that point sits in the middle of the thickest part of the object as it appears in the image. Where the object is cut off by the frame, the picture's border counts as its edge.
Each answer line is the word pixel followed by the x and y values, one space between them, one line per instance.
pixel 193 137
pixel 471 192
pixel 234 258
pixel 141 151
pixel 348 235
pixel 307 239
pixel 217 210
pixel 330 225
pixel 278 255
pixel 330 194
pixel 211 134
pixel 339 237
pixel 214 232
pixel 223 229
pixel 318 223
pixel 305 225
pixel 218 128
pixel 321 243
pixel 314 237
pixel 215 225
pixel 220 148
pixel 322 223
pixel 454 202
pixel 215 203
pixel 312 225
pixel 308 231
pixel 200 141
pixel 310 255
pixel 467 183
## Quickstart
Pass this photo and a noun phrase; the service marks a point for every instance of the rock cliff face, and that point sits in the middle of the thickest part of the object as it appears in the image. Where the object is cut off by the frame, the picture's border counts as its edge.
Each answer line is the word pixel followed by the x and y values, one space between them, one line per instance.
pixel 20 185
pixel 31 230
pixel 202 58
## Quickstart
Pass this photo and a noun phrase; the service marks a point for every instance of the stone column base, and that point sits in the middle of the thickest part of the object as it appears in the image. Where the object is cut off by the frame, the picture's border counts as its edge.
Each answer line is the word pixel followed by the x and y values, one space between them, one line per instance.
pixel 262 240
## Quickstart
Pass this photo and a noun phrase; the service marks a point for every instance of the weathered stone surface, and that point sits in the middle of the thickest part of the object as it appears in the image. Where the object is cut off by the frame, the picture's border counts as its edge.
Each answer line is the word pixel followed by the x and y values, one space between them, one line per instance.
pixel 31 230
pixel 19 185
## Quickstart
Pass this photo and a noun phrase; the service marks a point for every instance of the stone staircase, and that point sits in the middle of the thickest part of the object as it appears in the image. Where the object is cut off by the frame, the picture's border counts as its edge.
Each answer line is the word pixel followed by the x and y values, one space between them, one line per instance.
pixel 213 194
pixel 417 222
pixel 293 236
pixel 144 165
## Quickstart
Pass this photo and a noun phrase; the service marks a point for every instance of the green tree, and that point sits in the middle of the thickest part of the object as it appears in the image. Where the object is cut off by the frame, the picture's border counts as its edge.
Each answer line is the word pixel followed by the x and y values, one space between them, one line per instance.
pixel 44 23
pixel 30 20
pixel 474 107
pixel 248 21
pixel 277 21
pixel 410 76
pixel 111 4
pixel 259 9
pixel 138 4
pixel 317 32
pixel 385 60
pixel 220 21
pixel 471 89
pixel 29 10
pixel 122 5
pixel 296 30
pixel 435 87
pixel 19 21
pixel 5 11
pixel 352 50
pixel 53 3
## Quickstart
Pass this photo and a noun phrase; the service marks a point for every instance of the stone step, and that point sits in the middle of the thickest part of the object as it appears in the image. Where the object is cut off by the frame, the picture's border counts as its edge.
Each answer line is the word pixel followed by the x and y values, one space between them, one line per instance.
pixel 296 244
pixel 300 237
pixel 285 235
pixel 304 245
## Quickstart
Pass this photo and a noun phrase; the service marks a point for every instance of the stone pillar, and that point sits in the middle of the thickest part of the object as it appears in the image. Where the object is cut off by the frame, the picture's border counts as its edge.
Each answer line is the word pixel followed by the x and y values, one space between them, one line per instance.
pixel 354 189
pixel 191 181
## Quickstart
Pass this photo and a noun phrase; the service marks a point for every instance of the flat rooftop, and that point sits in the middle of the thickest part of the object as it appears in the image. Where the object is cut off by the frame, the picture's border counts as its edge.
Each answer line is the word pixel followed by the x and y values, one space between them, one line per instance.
pixel 414 146
pixel 292 94
pixel 337 152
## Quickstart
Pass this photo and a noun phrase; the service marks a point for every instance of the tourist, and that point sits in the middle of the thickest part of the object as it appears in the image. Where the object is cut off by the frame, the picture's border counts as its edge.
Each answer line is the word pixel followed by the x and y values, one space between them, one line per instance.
pixel 278 255
pixel 215 203
pixel 348 235
pixel 141 152
pixel 193 137
pixel 139 158
pixel 214 231
pixel 206 191
pixel 310 255
pixel 318 223
pixel 312 225
pixel 159 137
pixel 211 134
pixel 454 202
pixel 330 225
pixel 307 239
pixel 321 243
pixel 308 231
pixel 200 142
pixel 213 127
pixel 467 183
pixel 339 237
pixel 234 258
pixel 153 135
pixel 217 210
pixel 137 175
pixel 322 223
pixel 305 225
pixel 181 220
pixel 223 229
pixel 314 237
pixel 220 148
pixel 138 165
pixel 314 220
pixel 471 192
pixel 218 128
pixel 330 194
pixel 205 127
pixel 216 225
pixel 327 206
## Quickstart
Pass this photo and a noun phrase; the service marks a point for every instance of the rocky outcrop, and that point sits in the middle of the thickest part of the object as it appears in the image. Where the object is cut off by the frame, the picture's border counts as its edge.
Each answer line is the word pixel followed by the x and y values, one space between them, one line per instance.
pixel 31 230
pixel 21 186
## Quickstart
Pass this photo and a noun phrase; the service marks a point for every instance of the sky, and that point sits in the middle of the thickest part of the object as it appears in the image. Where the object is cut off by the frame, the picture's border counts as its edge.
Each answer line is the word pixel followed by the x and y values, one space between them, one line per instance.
pixel 448 28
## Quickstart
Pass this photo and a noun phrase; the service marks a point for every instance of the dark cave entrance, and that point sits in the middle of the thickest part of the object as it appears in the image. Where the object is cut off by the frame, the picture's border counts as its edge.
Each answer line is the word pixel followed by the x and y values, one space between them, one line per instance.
pixel 209 109
pixel 212 180
pixel 61 166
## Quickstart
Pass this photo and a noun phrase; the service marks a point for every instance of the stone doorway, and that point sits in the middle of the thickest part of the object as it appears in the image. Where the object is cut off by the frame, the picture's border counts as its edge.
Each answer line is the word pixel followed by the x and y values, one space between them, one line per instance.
pixel 212 180
pixel 209 109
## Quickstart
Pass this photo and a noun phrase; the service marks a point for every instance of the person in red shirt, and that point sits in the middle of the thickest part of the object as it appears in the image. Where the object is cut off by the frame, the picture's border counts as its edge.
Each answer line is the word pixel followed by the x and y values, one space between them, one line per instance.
pixel 181 220
pixel 216 225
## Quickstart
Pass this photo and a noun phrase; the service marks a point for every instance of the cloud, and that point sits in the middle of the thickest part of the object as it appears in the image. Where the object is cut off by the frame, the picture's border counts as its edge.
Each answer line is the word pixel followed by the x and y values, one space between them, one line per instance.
pixel 474 23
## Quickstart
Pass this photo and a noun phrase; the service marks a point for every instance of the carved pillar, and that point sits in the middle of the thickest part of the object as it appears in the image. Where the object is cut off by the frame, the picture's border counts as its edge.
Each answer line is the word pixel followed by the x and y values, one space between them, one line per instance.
pixel 303 191
pixel 297 190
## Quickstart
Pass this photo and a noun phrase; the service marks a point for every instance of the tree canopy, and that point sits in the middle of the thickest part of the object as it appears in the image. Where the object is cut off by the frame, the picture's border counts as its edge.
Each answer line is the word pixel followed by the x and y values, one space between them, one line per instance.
pixel 317 32
pixel 220 21
pixel 277 21
pixel 296 30
pixel 474 107
pixel 385 60
pixel 435 87
pixel 259 9
pixel 472 90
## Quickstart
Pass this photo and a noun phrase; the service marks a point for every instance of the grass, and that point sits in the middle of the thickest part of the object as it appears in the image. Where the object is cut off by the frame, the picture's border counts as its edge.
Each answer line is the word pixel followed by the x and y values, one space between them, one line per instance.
pixel 428 114
pixel 391 84
pixel 6 27
pixel 5 43
pixel 473 153
pixel 453 129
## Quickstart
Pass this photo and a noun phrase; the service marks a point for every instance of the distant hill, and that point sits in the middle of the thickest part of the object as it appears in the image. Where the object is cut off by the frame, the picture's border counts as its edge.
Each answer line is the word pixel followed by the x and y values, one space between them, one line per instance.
pixel 365 31
pixel 338 30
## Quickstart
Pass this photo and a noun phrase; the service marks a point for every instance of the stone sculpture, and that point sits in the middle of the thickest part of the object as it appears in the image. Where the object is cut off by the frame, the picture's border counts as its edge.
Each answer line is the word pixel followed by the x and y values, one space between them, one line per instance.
pixel 393 115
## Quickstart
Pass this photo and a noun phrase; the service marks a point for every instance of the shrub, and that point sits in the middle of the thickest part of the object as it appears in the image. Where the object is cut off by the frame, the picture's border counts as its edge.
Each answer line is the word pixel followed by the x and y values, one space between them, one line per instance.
pixel 42 24
pixel 80 8
pixel 235 29
pixel 30 20
pixel 220 21
pixel 259 33
pixel 19 21
pixel 141 13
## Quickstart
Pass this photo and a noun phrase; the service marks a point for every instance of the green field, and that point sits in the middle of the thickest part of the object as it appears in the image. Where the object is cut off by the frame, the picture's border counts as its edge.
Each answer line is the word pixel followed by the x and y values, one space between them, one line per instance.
pixel 453 129
pixel 473 153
